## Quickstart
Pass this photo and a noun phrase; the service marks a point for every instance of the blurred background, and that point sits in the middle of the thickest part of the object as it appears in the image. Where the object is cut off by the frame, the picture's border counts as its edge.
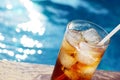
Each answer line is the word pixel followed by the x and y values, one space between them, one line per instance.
pixel 32 30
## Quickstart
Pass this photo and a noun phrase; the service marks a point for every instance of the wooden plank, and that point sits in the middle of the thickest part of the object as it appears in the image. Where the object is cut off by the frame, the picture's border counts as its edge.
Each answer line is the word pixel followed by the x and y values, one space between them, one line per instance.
pixel 99 75
pixel 26 71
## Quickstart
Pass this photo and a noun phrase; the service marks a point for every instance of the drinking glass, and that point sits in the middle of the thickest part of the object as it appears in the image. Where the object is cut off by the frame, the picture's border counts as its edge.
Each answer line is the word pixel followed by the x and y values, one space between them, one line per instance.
pixel 80 53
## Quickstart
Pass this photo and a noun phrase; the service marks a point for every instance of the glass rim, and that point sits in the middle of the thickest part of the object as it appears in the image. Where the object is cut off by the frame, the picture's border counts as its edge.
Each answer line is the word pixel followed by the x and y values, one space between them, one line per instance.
pixel 98 26
pixel 88 22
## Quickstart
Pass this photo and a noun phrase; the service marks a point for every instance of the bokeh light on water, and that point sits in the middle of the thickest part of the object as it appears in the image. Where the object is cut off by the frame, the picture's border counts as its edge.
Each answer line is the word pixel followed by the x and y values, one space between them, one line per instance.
pixel 32 30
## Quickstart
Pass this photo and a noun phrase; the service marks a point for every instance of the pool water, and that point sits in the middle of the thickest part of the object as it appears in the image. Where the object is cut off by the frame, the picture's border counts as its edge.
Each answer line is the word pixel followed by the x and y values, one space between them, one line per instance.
pixel 32 30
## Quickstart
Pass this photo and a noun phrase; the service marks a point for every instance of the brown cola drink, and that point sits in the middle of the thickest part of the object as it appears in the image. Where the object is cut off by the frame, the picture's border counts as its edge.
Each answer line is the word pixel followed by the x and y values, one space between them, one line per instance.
pixel 79 54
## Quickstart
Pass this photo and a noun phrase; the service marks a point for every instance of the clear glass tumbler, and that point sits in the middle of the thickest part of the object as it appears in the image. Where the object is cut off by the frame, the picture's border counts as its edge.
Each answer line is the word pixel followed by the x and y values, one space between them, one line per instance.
pixel 79 54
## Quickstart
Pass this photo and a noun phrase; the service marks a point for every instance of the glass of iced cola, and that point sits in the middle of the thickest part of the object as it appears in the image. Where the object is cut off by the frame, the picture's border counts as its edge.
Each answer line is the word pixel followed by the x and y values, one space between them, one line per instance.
pixel 80 53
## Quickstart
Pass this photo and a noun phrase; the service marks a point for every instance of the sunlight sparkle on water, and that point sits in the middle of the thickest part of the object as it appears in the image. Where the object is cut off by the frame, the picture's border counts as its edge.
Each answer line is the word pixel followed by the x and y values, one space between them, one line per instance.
pixel 14 39
pixel 32 22
pixel 9 6
pixel 20 50
pixel 29 42
pixel 36 24
pixel 32 51
pixel 17 30
pixel 21 57
pixel 29 51
pixel 5 51
pixel 2 45
pixel 39 51
pixel 33 26
pixel 1 37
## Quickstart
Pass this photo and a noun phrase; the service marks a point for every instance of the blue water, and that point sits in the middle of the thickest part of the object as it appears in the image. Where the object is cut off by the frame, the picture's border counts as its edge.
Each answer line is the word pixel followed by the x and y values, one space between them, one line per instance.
pixel 32 30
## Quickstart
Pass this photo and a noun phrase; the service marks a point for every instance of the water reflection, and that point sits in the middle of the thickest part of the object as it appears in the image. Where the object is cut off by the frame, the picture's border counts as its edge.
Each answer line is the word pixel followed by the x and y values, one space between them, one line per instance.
pixel 29 42
pixel 21 21
pixel 91 7
pixel 2 45
pixel 1 37
pixel 8 52
pixel 9 6
pixel 36 24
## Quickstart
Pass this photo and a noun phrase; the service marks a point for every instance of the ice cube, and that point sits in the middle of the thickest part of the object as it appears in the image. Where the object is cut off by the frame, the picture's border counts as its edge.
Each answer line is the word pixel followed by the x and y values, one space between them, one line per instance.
pixel 91 36
pixel 97 52
pixel 73 37
pixel 66 60
pixel 72 74
pixel 67 47
pixel 88 70
pixel 84 56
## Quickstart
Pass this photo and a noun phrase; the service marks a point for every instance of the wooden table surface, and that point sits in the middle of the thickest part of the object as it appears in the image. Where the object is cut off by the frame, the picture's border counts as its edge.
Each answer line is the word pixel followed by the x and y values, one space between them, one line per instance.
pixel 99 75
pixel 26 71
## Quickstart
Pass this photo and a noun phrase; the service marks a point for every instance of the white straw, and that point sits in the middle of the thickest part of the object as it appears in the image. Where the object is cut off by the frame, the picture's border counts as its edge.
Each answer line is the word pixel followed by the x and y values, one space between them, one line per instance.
pixel 109 35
